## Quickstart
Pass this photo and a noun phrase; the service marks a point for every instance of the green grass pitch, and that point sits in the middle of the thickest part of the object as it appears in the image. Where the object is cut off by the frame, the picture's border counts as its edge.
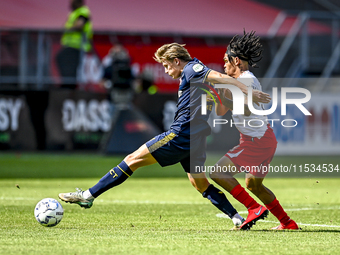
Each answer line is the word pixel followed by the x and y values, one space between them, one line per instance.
pixel 160 214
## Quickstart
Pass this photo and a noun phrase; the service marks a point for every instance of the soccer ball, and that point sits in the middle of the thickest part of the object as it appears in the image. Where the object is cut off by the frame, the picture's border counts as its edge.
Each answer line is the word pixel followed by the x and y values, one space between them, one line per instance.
pixel 48 212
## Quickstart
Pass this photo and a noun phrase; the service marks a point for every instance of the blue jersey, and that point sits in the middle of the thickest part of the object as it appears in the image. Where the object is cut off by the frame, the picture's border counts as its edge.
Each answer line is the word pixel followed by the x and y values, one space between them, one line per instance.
pixel 188 118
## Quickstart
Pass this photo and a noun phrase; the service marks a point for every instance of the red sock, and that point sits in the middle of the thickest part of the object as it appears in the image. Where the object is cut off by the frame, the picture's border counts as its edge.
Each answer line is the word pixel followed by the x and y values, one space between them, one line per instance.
pixel 239 193
pixel 276 209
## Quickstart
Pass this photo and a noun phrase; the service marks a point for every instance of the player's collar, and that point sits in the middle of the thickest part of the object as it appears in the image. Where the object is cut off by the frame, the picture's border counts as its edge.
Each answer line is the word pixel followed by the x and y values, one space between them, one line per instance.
pixel 182 74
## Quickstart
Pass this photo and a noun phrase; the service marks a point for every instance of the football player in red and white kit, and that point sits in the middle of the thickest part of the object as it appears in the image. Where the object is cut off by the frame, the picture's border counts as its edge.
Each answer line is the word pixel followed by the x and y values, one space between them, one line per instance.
pixel 257 142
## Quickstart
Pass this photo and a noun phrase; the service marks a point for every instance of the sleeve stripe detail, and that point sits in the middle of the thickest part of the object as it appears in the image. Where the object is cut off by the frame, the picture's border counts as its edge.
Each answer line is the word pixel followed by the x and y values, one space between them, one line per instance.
pixel 206 75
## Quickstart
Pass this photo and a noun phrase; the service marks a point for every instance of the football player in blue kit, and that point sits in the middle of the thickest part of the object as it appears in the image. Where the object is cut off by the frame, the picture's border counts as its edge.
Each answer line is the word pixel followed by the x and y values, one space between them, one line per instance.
pixel 184 142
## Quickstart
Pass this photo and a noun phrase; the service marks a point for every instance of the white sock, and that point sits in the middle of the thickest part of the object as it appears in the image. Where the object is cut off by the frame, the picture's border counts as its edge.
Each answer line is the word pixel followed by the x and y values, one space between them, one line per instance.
pixel 87 195
pixel 237 219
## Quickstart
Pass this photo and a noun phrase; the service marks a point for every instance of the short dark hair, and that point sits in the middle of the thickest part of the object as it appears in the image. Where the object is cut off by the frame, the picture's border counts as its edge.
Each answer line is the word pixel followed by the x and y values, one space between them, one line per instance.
pixel 247 48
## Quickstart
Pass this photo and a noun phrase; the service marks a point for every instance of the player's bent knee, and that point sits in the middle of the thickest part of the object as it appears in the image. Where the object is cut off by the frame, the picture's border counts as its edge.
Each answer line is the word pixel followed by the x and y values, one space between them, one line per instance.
pixel 130 159
pixel 139 158
pixel 133 159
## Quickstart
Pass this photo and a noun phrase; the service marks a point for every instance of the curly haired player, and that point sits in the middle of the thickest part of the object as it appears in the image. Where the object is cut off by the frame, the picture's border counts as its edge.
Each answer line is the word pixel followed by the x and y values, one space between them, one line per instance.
pixel 257 142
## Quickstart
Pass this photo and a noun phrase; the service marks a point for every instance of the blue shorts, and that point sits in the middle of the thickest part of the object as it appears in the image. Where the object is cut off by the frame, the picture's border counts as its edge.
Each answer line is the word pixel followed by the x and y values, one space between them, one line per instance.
pixel 169 148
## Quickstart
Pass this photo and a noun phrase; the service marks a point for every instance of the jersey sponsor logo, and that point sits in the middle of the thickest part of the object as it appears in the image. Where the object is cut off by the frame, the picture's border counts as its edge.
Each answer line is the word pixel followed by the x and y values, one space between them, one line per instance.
pixel 180 92
pixel 197 68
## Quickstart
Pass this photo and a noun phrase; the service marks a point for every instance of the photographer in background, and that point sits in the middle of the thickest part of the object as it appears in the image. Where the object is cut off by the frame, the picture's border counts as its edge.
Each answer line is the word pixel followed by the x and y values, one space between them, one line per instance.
pixel 117 75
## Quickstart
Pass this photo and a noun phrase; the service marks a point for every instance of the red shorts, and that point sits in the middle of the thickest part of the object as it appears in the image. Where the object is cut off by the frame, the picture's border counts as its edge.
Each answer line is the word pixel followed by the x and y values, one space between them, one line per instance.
pixel 253 155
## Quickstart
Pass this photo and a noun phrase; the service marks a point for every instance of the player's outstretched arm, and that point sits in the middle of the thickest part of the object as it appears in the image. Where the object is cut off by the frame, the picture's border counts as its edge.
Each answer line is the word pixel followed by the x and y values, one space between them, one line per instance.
pixel 219 78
